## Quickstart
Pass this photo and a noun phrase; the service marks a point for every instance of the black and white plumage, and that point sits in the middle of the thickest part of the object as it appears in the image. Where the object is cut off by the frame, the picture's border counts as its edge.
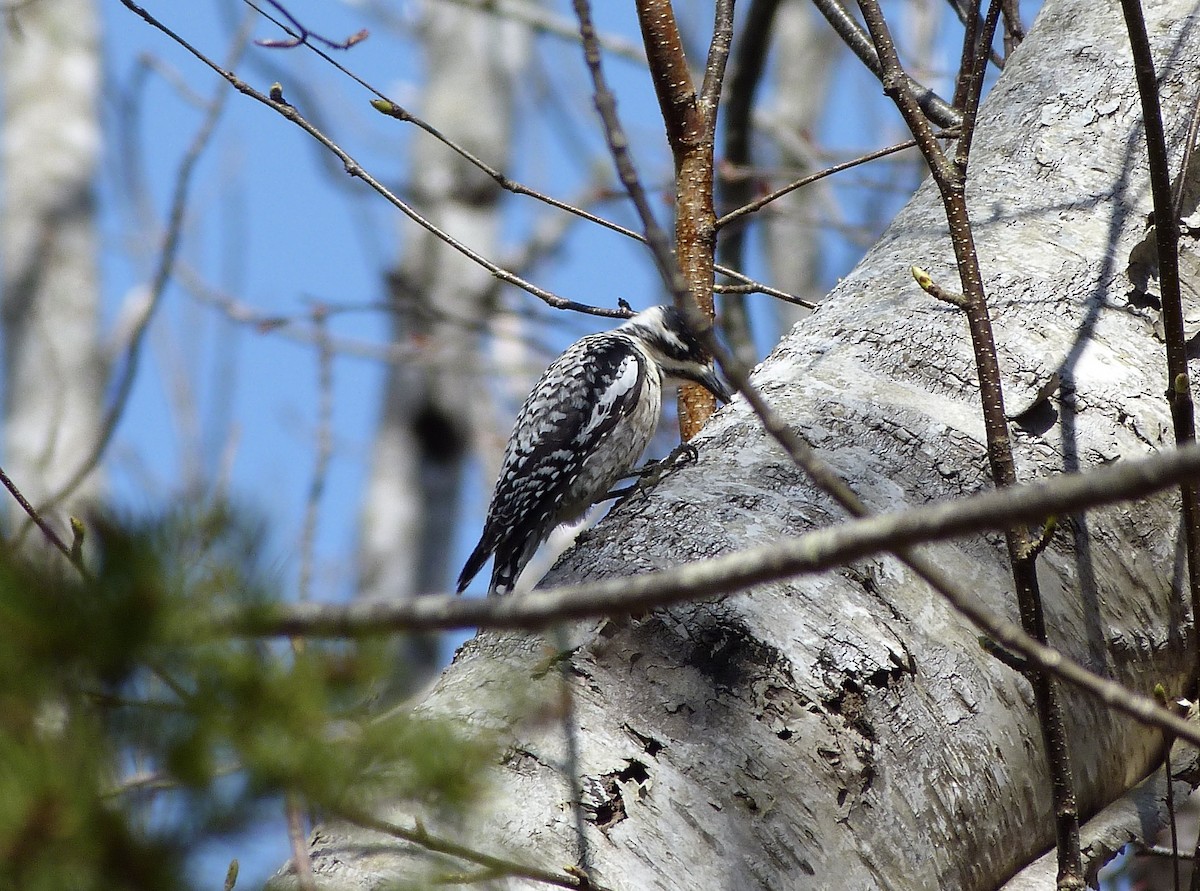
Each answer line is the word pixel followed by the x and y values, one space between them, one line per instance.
pixel 584 426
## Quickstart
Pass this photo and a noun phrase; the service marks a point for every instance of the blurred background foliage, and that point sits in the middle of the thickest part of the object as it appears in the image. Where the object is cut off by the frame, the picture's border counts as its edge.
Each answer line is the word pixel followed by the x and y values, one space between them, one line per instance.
pixel 131 735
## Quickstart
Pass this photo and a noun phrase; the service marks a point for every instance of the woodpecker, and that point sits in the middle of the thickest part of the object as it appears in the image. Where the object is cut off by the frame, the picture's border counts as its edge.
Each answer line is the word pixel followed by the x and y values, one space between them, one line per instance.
pixel 584 426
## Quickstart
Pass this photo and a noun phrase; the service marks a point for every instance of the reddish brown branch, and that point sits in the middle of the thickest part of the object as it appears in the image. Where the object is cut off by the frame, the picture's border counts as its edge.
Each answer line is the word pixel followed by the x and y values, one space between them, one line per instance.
pixel 691 127
pixel 1166 243
pixel 669 71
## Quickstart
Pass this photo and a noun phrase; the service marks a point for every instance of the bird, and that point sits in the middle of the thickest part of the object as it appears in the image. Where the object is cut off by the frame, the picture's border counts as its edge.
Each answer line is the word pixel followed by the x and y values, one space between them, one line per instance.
pixel 584 426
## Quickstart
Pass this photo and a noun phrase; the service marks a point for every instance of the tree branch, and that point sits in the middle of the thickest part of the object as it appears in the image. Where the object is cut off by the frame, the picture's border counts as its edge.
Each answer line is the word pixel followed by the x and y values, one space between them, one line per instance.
pixel 933 106
pixel 277 103
pixel 1166 241
pixel 813 552
pixel 951 179
pixel 691 127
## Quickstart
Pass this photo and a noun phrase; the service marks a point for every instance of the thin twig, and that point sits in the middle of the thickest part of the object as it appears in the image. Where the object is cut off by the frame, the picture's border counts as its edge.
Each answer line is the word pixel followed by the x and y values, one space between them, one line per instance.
pixel 305 34
pixel 47 530
pixel 969 16
pixel 538 18
pixel 301 861
pixel 965 11
pixel 385 105
pixel 1014 29
pixel 501 866
pixel 324 441
pixel 618 146
pixel 951 179
pixel 1185 162
pixel 814 552
pixel 926 283
pixel 1160 694
pixel 931 104
pixel 714 67
pixel 756 288
pixel 571 763
pixel 760 203
pixel 973 87
pixel 277 103
pixel 746 69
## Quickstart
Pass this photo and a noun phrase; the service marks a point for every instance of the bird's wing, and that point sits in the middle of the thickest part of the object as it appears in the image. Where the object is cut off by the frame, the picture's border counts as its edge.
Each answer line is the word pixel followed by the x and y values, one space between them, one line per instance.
pixel 575 404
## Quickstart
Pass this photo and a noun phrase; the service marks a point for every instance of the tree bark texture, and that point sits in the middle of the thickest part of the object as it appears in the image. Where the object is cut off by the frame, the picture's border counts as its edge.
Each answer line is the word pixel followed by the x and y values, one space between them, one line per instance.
pixel 53 365
pixel 848 731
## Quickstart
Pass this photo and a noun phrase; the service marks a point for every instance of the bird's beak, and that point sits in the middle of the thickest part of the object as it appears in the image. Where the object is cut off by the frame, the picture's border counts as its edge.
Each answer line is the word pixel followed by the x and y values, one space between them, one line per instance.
pixel 712 382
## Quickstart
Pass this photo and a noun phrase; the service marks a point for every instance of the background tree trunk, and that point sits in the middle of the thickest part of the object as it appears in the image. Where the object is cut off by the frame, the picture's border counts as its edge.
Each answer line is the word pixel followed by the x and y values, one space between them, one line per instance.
pixel 54 370
pixel 473 61
pixel 848 731
pixel 804 58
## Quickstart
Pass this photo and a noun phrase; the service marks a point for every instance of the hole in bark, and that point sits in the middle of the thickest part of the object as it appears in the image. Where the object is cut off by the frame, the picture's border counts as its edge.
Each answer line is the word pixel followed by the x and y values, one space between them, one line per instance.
pixel 650 745
pixel 726 651
pixel 635 771
pixel 611 811
pixel 747 799
pixel 1141 300
pixel 1038 419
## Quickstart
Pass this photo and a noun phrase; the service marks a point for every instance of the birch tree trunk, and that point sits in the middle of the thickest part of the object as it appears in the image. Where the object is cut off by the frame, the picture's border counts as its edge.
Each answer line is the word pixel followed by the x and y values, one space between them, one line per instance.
pixel 53 365
pixel 848 731
pixel 413 493
pixel 792 235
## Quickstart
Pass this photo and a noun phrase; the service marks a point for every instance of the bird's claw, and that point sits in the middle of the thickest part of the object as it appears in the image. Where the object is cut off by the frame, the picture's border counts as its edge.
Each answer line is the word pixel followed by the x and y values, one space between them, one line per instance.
pixel 654 472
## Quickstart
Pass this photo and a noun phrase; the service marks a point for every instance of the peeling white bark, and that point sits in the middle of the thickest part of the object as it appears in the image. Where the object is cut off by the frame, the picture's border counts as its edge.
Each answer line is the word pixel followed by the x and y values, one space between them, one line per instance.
pixel 848 731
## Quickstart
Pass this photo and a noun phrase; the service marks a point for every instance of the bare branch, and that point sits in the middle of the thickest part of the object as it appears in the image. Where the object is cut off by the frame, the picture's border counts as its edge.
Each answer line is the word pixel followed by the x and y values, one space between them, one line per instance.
pixel 303 35
pixel 814 552
pixel 37 519
pixel 691 126
pixel 951 179
pixel 385 105
pixel 936 108
pixel 681 112
pixel 1166 242
pixel 300 859
pixel 618 145
pixel 541 19
pixel 496 866
pixel 760 203
pixel 278 104
pixel 324 443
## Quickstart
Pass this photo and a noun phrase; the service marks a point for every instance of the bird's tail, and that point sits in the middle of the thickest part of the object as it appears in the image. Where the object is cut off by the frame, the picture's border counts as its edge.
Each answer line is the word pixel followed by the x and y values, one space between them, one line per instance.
pixel 504 576
pixel 511 558
pixel 474 563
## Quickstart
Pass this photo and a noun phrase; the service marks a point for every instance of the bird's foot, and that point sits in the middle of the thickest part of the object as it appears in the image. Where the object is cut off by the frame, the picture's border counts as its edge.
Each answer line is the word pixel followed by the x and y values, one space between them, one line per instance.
pixel 652 473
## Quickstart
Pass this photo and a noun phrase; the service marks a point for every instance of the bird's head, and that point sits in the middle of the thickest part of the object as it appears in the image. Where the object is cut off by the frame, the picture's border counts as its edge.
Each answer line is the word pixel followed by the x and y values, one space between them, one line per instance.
pixel 666 335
